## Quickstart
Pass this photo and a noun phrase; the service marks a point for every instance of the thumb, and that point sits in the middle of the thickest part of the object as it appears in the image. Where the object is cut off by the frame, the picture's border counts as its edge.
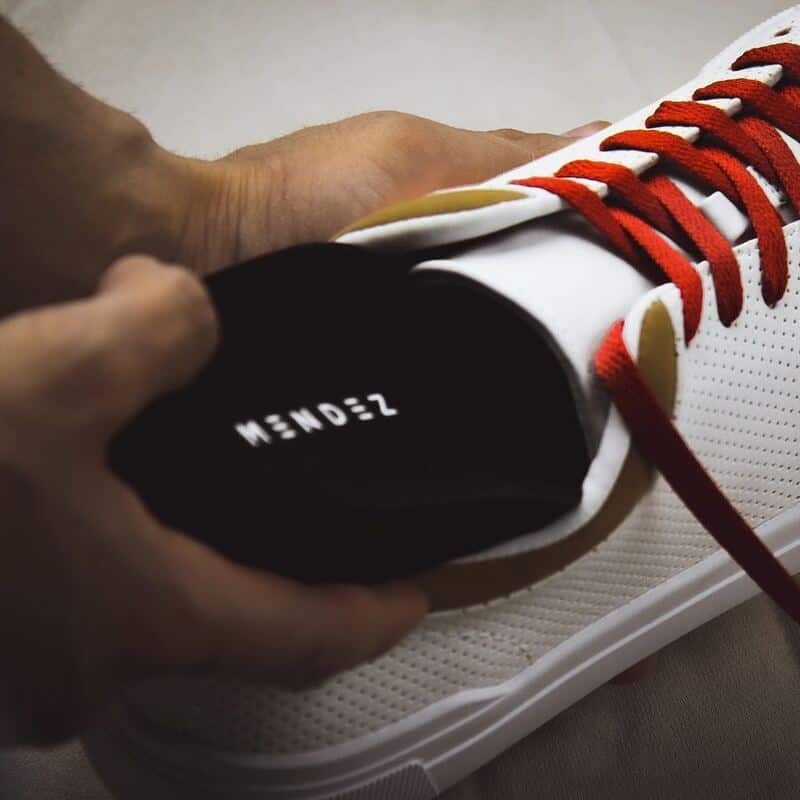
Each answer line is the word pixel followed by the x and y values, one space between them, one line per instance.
pixel 157 329
pixel 87 366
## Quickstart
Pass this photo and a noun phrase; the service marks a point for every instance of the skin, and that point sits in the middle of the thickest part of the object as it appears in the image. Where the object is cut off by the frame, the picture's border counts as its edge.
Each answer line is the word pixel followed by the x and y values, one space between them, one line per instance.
pixel 102 593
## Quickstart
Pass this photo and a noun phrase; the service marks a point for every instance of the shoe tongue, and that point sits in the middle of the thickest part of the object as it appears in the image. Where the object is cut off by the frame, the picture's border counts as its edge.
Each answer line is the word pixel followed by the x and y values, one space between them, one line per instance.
pixel 568 284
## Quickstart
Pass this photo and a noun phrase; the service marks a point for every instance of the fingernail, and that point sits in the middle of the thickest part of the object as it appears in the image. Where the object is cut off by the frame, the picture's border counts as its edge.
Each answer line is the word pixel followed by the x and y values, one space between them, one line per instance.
pixel 587 130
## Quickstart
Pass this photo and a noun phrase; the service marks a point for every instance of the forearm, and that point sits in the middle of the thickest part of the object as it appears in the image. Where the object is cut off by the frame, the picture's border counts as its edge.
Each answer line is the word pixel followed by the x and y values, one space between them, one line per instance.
pixel 81 183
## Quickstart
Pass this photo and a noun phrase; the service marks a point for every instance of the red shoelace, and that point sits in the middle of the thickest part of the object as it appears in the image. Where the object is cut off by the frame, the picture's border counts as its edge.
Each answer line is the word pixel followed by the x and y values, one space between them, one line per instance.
pixel 633 217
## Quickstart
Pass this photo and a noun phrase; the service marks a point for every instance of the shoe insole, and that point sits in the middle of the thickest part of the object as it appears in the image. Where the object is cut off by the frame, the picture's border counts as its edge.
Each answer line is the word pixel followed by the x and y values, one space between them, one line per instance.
pixel 360 421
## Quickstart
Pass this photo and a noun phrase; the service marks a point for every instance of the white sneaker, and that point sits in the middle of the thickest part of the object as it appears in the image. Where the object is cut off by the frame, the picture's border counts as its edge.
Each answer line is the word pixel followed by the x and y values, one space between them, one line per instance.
pixel 528 627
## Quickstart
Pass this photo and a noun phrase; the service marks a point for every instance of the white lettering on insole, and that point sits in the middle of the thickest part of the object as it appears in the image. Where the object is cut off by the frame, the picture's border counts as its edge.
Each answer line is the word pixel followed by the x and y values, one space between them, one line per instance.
pixel 309 420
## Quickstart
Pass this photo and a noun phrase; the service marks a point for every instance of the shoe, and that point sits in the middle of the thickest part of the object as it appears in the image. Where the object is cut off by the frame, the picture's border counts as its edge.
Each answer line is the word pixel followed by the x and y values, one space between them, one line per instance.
pixel 681 221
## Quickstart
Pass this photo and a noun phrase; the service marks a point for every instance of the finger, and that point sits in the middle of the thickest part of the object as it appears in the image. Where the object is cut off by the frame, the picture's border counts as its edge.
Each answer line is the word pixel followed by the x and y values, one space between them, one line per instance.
pixel 540 144
pixel 590 128
pixel 86 366
pixel 418 155
pixel 253 624
pixel 154 327
pixel 534 145
pixel 473 156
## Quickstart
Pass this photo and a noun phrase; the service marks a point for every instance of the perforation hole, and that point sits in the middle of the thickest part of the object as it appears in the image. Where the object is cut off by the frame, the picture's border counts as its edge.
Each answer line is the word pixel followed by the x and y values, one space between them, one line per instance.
pixel 783 32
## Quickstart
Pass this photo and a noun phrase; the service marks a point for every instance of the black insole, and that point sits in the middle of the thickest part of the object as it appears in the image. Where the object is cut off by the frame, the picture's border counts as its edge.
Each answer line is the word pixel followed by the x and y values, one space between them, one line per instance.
pixel 359 422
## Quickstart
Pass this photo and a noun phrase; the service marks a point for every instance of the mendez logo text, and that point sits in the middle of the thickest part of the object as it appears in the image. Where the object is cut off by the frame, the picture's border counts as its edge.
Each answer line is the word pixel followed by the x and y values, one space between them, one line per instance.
pixel 303 421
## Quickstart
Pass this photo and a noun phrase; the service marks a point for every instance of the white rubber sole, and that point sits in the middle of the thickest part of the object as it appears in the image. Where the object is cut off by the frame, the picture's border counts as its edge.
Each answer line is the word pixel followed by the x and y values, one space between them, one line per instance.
pixel 436 747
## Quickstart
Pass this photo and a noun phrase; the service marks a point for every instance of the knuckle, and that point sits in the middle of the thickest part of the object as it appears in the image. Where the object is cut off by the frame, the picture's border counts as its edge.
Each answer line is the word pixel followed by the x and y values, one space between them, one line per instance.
pixel 170 308
pixel 407 148
pixel 509 133
pixel 541 144
pixel 166 317
pixel 536 143
pixel 395 127
pixel 165 290
pixel 385 118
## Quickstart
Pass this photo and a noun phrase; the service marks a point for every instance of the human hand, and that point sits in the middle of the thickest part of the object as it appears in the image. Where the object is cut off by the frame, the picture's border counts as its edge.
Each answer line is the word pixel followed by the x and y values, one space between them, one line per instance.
pixel 85 183
pixel 309 185
pixel 95 591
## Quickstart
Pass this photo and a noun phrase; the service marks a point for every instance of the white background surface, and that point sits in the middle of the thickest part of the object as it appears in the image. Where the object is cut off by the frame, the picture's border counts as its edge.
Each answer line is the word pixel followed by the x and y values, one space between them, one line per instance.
pixel 210 76
pixel 207 77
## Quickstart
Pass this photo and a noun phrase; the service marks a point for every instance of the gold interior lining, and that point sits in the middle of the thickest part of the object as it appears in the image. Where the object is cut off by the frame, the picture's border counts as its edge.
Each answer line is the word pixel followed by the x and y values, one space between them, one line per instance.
pixel 434 204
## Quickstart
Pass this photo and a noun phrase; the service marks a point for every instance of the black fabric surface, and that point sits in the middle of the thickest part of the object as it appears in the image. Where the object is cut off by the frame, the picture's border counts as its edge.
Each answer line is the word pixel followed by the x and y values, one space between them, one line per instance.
pixel 430 421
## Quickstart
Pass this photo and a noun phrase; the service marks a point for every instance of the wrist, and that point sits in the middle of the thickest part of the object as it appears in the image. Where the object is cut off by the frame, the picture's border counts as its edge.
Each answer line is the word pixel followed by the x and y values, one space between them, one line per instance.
pixel 150 193
pixel 83 183
pixel 145 193
pixel 202 214
pixel 225 209
pixel 87 184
